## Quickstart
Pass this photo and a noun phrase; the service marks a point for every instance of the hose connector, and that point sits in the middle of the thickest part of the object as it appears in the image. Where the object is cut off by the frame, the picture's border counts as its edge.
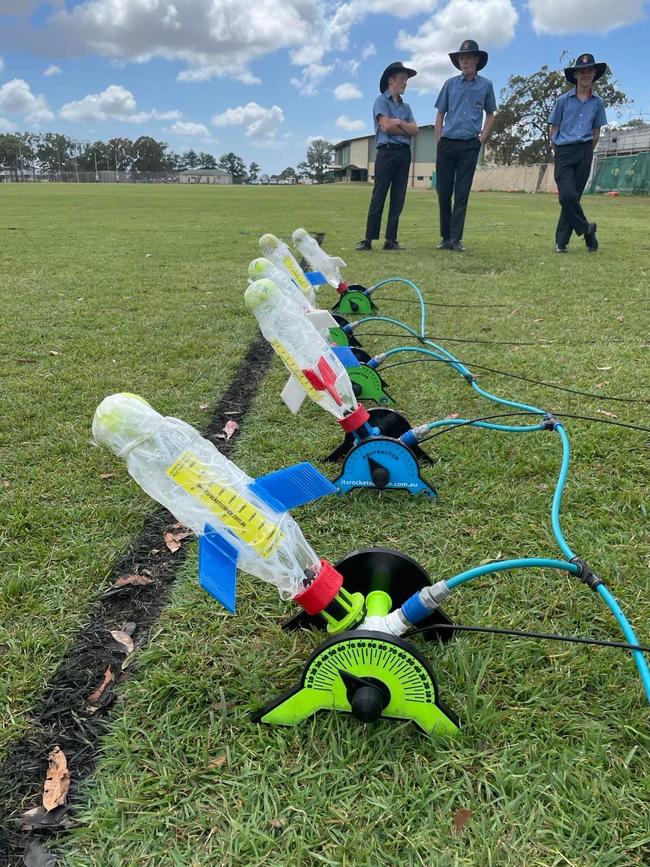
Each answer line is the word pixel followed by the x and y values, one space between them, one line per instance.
pixel 469 377
pixel 550 422
pixel 586 575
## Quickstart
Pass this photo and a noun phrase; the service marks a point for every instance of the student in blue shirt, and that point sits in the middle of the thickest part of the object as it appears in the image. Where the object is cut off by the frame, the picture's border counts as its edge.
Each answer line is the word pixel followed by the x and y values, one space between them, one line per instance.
pixel 460 132
pixel 394 129
pixel 575 124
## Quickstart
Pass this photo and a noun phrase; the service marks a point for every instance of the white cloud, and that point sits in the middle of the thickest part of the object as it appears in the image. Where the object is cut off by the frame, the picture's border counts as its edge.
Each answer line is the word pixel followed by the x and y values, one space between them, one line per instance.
pixel 261 123
pixel 490 22
pixel 115 102
pixel 189 129
pixel 312 75
pixel 368 51
pixel 212 37
pixel 349 125
pixel 52 70
pixel 347 91
pixel 571 16
pixel 16 97
pixel 7 125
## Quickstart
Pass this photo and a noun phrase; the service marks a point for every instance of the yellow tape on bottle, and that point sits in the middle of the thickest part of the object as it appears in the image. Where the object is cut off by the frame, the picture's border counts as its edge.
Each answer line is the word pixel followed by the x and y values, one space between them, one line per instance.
pixel 295 369
pixel 235 512
pixel 292 267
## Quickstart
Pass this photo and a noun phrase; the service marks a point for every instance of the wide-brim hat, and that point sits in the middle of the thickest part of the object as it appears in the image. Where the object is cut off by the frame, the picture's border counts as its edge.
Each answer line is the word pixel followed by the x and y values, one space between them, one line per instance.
pixel 584 61
pixel 469 47
pixel 393 69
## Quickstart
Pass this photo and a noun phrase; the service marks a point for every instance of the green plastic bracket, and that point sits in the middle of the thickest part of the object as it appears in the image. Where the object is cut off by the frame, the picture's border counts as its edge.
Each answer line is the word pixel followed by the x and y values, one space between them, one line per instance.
pixel 354 301
pixel 371 385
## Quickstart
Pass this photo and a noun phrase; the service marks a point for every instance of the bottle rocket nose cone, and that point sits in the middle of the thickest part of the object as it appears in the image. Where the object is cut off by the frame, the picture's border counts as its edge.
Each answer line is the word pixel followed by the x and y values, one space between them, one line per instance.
pixel 261 292
pixel 268 241
pixel 259 268
pixel 122 420
pixel 299 235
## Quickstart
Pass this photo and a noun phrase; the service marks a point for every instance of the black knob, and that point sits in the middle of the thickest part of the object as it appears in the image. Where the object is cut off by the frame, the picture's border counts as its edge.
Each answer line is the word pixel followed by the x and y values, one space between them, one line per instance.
pixel 379 474
pixel 367 704
pixel 357 389
pixel 354 307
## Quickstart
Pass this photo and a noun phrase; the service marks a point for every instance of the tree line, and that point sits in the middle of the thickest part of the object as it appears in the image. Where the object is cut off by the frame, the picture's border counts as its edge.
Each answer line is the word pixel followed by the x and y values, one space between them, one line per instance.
pixel 26 154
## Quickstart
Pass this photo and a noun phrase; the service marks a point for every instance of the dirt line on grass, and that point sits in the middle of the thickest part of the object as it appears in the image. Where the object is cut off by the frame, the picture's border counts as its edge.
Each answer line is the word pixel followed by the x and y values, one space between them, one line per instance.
pixel 64 715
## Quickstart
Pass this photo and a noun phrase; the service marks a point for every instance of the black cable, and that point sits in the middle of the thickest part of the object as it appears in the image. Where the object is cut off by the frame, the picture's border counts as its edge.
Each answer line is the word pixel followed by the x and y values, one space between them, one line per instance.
pixel 471 421
pixel 545 344
pixel 518 376
pixel 520 633
pixel 440 304
pixel 602 421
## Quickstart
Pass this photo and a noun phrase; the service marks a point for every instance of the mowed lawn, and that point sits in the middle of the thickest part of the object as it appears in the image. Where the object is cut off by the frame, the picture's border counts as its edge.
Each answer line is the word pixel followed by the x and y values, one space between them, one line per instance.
pixel 139 288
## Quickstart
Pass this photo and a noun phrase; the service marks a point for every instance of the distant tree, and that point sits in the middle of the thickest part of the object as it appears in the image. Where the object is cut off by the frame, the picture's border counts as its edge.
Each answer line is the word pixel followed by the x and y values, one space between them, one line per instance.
pixel 94 157
pixel 230 162
pixel 520 132
pixel 174 162
pixel 207 161
pixel 191 159
pixel 253 172
pixel 289 172
pixel 120 152
pixel 633 122
pixel 319 157
pixel 149 155
pixel 10 154
pixel 56 153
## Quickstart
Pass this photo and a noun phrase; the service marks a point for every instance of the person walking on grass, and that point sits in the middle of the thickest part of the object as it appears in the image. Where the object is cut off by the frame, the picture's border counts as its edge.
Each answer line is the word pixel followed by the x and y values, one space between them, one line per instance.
pixel 394 130
pixel 575 124
pixel 460 131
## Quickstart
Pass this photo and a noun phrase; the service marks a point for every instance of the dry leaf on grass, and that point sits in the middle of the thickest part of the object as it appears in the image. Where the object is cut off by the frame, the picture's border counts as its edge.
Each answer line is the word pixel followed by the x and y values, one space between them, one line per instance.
pixel 229 428
pixel 277 823
pixel 108 678
pixel 461 818
pixel 106 475
pixel 5 483
pixel 204 406
pixel 452 415
pixel 603 368
pixel 607 413
pixel 57 781
pixel 135 580
pixel 173 539
pixel 621 318
pixel 219 762
pixel 124 640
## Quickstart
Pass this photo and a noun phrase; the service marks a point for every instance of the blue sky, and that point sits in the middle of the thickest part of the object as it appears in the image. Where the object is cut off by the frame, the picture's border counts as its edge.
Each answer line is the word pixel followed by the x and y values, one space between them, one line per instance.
pixel 263 78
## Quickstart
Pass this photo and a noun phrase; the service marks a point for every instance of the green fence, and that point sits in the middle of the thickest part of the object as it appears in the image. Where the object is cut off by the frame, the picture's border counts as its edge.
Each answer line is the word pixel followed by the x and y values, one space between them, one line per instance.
pixel 626 174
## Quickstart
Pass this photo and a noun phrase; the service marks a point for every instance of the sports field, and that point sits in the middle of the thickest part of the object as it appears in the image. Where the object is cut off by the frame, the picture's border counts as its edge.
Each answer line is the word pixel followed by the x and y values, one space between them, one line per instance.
pixel 139 288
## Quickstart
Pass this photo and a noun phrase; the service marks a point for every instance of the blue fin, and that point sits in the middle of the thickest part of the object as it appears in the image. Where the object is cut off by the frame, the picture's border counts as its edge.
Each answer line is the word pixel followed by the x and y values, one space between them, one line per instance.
pixel 218 567
pixel 346 356
pixel 315 278
pixel 292 486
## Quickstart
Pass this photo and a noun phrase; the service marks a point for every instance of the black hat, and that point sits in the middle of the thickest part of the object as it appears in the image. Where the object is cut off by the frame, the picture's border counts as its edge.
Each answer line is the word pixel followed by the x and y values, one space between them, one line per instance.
pixel 584 61
pixel 393 69
pixel 470 47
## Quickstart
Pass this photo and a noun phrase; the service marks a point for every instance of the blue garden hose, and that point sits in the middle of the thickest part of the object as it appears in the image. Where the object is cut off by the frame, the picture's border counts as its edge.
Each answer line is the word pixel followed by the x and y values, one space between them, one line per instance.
pixel 443 354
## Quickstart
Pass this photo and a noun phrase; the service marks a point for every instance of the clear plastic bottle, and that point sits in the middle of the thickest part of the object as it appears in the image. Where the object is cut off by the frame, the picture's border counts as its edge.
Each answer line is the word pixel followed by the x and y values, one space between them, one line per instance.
pixel 310 360
pixel 318 259
pixel 279 253
pixel 184 472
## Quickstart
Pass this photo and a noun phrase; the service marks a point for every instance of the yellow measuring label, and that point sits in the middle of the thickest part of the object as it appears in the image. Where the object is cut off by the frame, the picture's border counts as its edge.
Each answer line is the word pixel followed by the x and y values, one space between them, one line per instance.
pixel 292 365
pixel 235 512
pixel 292 267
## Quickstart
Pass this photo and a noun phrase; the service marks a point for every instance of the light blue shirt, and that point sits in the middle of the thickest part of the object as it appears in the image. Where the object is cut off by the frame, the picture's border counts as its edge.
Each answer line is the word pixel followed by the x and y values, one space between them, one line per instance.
pixel 577 119
pixel 463 101
pixel 386 105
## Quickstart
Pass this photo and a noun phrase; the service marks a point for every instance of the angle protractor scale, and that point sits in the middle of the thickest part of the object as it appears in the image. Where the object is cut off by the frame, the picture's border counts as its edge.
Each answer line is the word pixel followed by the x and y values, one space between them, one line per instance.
pixel 369 675
pixel 368 385
pixel 354 300
pixel 339 337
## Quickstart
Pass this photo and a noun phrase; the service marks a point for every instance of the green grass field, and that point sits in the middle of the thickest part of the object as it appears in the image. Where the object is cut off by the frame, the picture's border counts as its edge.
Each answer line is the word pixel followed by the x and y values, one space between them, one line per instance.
pixel 137 288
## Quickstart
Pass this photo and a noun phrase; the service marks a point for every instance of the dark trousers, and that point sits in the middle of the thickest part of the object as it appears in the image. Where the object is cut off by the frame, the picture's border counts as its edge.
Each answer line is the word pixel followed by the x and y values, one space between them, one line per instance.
pixel 391 171
pixel 455 164
pixel 572 167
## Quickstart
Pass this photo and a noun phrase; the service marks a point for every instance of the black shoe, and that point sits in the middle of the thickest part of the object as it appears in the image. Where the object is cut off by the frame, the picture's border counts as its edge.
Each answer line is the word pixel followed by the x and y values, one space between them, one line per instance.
pixel 364 245
pixel 445 244
pixel 392 245
pixel 457 247
pixel 561 248
pixel 590 238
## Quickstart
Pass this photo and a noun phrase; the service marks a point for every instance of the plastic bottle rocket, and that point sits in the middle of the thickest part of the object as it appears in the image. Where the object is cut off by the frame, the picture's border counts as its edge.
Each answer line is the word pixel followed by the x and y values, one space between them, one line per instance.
pixel 264 268
pixel 279 253
pixel 240 521
pixel 316 371
pixel 319 260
